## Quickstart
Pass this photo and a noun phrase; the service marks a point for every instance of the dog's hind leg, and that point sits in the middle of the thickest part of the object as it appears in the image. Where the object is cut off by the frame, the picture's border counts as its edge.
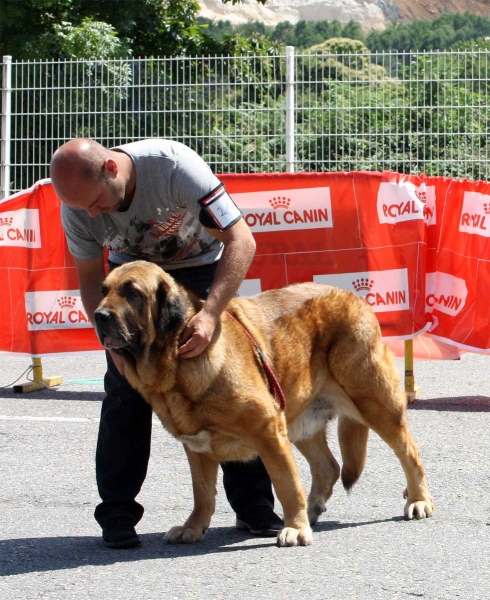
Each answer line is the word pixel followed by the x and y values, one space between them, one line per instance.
pixel 204 473
pixel 382 404
pixel 353 437
pixel 324 472
pixel 394 430
pixel 370 378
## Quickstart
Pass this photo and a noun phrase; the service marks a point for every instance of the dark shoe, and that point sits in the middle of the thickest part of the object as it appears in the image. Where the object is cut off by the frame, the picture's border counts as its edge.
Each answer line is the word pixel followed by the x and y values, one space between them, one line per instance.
pixel 119 532
pixel 261 521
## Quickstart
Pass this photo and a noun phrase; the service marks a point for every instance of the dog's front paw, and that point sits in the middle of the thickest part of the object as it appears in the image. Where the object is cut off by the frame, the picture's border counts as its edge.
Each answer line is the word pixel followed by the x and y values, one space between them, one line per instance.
pixel 184 535
pixel 421 509
pixel 295 537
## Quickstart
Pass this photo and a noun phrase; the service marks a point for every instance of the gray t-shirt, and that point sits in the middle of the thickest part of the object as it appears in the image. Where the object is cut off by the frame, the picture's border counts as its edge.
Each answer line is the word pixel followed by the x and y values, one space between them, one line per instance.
pixel 162 223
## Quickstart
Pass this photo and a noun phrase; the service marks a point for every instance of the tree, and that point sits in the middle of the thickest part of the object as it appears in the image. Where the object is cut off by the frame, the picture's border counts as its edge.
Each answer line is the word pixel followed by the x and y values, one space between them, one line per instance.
pixel 25 26
pixel 439 34
pixel 284 33
pixel 353 31
pixel 306 34
pixel 35 28
pixel 91 39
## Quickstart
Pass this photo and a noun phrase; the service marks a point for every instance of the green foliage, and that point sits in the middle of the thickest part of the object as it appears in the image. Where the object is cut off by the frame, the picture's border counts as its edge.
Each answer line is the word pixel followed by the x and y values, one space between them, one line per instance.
pixel 31 28
pixel 342 59
pixel 433 118
pixel 91 39
pixel 340 46
pixel 309 33
pixel 350 114
pixel 154 27
pixel 440 34
pixel 146 28
pixel 301 35
pixel 479 44
pixel 284 34
pixel 25 26
pixel 219 28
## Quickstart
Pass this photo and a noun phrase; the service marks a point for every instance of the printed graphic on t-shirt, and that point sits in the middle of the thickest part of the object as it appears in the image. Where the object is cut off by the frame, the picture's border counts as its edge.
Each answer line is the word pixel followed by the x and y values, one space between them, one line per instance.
pixel 160 241
pixel 166 228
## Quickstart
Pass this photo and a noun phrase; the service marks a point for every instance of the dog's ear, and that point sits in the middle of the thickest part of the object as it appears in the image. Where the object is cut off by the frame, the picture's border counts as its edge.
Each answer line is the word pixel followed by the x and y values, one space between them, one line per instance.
pixel 171 309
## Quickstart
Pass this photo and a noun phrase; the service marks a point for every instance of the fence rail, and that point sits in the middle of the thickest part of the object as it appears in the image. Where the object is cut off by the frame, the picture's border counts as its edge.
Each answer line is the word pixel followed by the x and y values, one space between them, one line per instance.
pixel 411 112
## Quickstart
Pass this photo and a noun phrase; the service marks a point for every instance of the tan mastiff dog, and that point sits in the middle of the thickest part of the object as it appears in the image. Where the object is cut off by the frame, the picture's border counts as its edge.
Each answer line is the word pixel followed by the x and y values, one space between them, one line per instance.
pixel 324 347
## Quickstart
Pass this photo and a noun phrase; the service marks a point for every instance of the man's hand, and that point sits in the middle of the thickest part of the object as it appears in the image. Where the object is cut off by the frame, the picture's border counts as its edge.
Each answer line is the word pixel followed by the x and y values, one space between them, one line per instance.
pixel 238 252
pixel 197 335
pixel 118 362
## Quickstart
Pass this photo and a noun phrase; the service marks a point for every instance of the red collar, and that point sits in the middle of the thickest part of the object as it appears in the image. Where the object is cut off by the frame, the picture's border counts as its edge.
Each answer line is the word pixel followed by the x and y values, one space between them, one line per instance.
pixel 274 385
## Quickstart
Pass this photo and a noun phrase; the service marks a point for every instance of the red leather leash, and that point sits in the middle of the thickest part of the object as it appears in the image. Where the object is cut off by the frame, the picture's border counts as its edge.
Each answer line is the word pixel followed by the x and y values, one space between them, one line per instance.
pixel 274 385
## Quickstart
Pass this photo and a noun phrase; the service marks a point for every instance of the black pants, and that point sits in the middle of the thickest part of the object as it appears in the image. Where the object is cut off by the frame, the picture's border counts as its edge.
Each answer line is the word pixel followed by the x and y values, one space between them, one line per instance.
pixel 123 445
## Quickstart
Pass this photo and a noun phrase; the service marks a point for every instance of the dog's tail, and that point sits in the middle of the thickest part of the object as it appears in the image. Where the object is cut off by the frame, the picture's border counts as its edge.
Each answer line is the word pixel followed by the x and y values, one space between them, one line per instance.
pixel 353 439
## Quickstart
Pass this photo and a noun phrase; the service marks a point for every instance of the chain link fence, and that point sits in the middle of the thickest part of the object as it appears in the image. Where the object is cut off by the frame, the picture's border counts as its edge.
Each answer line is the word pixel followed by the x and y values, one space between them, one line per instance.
pixel 411 113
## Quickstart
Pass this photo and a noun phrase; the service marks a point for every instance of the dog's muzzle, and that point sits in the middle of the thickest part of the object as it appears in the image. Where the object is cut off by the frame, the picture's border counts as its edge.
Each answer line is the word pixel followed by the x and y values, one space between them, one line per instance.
pixel 106 330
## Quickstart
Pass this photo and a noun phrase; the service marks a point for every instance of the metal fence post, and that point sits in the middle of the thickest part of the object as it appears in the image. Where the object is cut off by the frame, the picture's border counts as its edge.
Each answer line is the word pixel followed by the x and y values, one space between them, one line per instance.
pixel 6 114
pixel 39 382
pixel 411 390
pixel 290 83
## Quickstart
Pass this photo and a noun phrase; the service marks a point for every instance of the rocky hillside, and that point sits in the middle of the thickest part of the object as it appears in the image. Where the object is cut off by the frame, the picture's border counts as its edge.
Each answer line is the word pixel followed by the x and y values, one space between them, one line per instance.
pixel 371 14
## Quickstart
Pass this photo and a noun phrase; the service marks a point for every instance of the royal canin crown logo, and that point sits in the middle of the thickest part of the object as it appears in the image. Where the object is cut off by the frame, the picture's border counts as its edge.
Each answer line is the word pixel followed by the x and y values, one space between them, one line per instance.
pixel 384 291
pixel 280 202
pixel 486 208
pixel 52 309
pixel 422 196
pixel 20 228
pixel 363 284
pixel 67 302
pixel 283 210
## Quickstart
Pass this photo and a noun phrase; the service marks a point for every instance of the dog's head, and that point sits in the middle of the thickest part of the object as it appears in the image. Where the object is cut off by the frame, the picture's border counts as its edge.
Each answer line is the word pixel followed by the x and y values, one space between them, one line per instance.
pixel 141 304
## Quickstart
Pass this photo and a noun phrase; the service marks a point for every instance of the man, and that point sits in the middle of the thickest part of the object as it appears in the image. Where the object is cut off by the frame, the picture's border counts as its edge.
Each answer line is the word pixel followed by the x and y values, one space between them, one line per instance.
pixel 155 200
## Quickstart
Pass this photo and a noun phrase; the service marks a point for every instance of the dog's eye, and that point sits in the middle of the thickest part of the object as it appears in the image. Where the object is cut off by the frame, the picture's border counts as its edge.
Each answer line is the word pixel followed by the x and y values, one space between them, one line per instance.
pixel 104 291
pixel 131 292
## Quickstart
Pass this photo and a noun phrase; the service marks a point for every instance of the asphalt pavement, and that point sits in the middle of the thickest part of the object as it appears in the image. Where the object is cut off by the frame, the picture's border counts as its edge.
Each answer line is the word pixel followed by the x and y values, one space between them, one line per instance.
pixel 50 545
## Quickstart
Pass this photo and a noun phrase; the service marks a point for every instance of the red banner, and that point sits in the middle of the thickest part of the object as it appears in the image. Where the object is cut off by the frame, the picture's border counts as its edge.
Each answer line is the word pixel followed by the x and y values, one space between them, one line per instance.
pixel 417 249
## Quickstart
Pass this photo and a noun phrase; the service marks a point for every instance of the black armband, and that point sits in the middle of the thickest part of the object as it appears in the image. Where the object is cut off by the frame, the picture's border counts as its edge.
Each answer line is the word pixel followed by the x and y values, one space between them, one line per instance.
pixel 218 211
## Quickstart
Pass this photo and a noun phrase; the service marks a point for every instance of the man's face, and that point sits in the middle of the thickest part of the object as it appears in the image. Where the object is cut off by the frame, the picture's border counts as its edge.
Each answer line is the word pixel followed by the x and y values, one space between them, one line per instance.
pixel 104 195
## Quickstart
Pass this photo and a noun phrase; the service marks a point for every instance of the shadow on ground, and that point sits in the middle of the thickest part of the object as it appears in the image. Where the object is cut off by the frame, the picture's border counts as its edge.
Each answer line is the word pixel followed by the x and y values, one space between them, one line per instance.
pixel 54 394
pixel 31 555
pixel 456 404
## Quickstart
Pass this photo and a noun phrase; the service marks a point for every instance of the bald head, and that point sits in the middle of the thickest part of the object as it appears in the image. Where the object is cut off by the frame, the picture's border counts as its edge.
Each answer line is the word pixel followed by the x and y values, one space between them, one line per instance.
pixel 88 176
pixel 82 158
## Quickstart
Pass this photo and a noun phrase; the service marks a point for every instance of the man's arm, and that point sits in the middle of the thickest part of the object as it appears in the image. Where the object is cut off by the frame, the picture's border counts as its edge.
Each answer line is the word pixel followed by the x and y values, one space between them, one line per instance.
pixel 91 274
pixel 238 253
